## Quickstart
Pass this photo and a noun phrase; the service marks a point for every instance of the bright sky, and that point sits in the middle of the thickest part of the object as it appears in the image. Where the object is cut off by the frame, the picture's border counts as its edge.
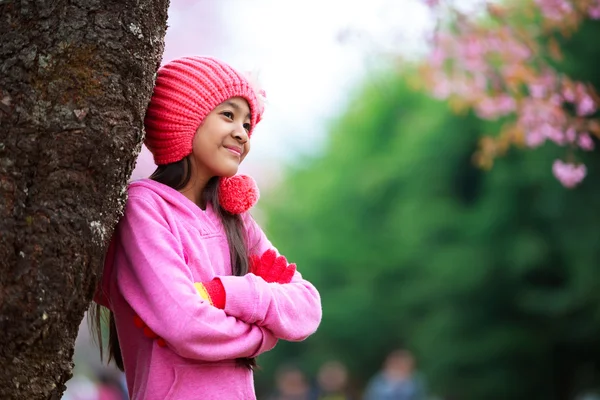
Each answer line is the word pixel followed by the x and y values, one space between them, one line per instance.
pixel 294 46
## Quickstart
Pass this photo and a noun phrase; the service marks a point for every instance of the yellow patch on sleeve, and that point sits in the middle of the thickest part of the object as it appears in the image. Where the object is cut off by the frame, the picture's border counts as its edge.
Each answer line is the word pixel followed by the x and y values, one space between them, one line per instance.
pixel 202 292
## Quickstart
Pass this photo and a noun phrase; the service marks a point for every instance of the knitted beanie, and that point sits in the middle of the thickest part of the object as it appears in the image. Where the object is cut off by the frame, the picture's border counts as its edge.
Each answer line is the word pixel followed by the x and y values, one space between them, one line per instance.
pixel 186 91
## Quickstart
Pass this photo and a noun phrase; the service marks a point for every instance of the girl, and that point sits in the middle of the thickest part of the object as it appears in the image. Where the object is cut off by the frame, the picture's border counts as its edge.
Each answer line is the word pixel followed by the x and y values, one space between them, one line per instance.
pixel 196 291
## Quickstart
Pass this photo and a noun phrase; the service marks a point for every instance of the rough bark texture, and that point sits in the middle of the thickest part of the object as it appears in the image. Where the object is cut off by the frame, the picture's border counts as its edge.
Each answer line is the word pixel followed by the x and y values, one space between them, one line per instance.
pixel 75 79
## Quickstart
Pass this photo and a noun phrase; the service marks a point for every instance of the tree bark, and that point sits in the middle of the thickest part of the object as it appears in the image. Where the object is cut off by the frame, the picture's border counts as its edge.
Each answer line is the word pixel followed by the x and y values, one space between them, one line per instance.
pixel 75 79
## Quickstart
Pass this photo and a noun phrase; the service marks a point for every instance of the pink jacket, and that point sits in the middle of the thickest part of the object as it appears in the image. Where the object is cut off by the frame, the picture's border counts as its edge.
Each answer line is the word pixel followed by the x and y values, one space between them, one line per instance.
pixel 162 245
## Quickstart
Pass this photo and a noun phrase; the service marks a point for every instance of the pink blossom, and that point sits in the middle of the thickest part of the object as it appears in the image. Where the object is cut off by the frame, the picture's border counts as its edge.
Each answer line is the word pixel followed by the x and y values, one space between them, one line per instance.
pixel 554 9
pixel 445 39
pixel 571 135
pixel 594 10
pixel 494 43
pixel 473 47
pixel 432 3
pixel 548 78
pixel 586 142
pixel 544 116
pixel 556 100
pixel 442 88
pixel 585 105
pixel 568 94
pixel 553 133
pixel 494 107
pixel 535 138
pixel 509 70
pixel 438 56
pixel 516 51
pixel 529 113
pixel 480 82
pixel 541 120
pixel 506 103
pixel 473 51
pixel 462 86
pixel 543 85
pixel 537 90
pixel 570 175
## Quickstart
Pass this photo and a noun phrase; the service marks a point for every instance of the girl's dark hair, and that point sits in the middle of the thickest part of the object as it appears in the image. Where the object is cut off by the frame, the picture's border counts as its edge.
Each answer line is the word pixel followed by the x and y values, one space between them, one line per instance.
pixel 177 175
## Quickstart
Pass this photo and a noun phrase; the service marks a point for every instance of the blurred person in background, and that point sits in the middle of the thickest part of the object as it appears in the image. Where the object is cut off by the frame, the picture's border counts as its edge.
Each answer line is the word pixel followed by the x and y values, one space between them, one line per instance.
pixel 332 382
pixel 291 383
pixel 397 380
pixel 110 385
pixel 103 384
pixel 589 396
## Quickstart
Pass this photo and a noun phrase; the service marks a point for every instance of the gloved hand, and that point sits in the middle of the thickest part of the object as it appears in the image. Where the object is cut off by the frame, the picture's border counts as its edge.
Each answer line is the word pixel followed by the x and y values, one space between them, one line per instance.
pixel 272 268
pixel 213 291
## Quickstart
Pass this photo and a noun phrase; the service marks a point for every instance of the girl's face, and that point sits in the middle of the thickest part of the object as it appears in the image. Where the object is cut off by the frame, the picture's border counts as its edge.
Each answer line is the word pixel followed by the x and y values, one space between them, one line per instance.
pixel 222 142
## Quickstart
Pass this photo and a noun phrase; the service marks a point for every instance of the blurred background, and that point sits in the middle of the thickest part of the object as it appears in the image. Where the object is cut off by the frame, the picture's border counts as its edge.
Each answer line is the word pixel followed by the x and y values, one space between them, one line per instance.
pixel 439 279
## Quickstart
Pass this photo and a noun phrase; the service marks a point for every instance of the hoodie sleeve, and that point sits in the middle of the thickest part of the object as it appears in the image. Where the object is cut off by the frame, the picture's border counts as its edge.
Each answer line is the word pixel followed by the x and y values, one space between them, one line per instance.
pixel 291 311
pixel 156 282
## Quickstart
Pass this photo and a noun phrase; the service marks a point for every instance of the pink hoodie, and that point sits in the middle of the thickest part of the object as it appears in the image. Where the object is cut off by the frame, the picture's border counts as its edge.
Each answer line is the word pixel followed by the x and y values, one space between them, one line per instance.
pixel 162 245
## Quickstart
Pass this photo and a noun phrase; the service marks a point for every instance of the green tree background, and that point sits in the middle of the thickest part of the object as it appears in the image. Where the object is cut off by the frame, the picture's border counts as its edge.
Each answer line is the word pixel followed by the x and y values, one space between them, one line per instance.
pixel 490 278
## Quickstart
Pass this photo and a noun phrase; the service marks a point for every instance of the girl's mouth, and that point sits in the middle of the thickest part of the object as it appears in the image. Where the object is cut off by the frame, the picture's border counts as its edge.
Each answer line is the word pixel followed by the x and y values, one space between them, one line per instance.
pixel 234 150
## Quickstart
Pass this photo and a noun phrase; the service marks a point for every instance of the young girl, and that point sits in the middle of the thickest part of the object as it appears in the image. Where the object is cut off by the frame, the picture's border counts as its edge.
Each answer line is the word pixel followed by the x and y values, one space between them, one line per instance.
pixel 196 291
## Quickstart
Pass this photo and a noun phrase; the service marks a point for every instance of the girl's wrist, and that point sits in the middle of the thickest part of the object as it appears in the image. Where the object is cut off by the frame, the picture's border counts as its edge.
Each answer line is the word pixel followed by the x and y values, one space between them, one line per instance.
pixel 213 291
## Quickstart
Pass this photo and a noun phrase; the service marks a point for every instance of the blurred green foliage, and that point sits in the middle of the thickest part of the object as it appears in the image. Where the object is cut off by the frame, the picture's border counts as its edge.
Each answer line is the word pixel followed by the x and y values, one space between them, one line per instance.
pixel 491 278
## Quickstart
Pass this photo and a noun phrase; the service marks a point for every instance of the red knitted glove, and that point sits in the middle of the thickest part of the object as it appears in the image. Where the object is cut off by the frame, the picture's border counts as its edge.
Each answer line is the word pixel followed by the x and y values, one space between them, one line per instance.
pixel 272 268
pixel 212 291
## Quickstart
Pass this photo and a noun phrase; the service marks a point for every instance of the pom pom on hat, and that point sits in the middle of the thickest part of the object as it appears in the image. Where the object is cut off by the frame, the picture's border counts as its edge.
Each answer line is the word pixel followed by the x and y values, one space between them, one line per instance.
pixel 238 194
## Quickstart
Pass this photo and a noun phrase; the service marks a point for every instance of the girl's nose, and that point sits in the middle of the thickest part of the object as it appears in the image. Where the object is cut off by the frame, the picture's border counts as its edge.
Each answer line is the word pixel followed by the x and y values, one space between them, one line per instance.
pixel 240 134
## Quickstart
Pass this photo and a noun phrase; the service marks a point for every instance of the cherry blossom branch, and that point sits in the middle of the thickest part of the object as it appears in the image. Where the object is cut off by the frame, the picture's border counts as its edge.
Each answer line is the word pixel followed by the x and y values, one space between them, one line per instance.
pixel 499 66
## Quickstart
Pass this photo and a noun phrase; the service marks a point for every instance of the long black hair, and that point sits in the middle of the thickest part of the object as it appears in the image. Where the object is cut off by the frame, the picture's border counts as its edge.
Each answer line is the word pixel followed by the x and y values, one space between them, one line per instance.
pixel 177 175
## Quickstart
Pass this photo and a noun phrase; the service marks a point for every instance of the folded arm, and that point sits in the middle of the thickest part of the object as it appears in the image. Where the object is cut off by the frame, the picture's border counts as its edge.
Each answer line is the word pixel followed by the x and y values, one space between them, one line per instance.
pixel 156 282
pixel 292 311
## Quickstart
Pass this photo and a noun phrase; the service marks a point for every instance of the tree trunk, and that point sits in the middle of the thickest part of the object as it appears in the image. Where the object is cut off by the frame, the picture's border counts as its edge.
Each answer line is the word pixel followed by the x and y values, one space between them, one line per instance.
pixel 75 79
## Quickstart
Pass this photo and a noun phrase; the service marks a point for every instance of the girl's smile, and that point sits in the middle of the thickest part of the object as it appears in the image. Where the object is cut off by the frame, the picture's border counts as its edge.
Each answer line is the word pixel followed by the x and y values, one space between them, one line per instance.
pixel 236 150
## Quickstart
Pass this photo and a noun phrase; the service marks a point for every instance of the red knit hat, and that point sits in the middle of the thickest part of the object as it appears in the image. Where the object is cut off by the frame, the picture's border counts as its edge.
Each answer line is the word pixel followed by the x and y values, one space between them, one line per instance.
pixel 186 90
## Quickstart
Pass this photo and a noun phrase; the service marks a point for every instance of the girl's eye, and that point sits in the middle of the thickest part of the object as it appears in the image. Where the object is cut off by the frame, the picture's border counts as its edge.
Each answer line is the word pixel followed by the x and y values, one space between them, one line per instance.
pixel 247 127
pixel 228 114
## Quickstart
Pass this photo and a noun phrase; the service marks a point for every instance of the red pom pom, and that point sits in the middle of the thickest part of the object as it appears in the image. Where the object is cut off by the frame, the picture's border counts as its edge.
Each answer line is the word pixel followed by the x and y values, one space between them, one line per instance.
pixel 238 194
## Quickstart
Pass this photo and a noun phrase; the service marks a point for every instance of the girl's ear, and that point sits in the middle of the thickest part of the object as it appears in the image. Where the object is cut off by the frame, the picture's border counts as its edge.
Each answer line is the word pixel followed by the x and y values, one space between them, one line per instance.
pixel 238 194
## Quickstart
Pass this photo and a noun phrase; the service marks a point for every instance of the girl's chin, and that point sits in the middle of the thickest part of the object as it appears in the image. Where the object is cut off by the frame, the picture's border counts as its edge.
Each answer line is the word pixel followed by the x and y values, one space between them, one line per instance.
pixel 229 173
pixel 227 169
